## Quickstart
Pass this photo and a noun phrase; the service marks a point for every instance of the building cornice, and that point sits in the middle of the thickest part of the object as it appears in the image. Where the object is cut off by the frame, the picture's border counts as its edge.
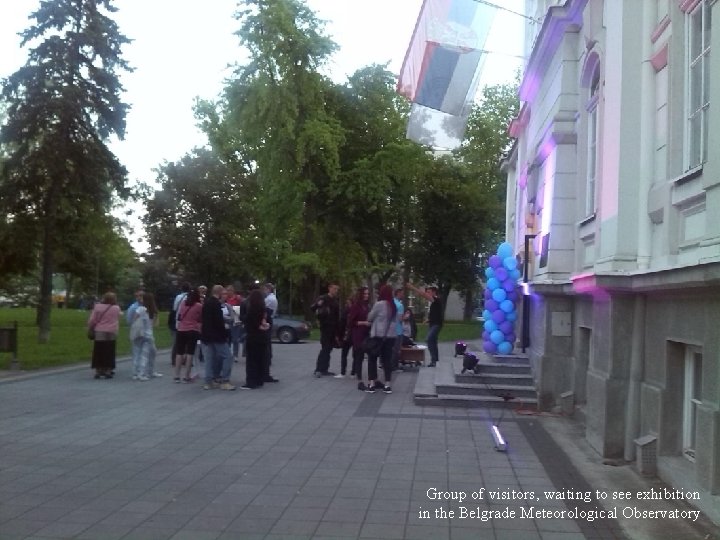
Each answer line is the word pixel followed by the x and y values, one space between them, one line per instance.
pixel 556 23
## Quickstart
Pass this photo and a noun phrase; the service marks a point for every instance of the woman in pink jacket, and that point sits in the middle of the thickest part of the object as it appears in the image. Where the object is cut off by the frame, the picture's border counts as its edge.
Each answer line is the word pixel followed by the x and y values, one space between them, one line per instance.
pixel 105 321
pixel 189 318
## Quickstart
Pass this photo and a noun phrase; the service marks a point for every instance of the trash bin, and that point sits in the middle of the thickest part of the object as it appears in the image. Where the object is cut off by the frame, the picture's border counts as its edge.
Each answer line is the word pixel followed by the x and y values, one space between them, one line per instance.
pixel 8 342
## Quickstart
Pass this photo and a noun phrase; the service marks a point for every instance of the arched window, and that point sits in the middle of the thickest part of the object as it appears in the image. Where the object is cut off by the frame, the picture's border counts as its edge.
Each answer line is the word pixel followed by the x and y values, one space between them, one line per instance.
pixel 592 76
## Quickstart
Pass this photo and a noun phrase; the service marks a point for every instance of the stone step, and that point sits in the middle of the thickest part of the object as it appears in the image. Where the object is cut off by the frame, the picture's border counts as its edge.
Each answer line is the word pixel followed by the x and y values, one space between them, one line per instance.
pixel 449 400
pixel 496 379
pixel 492 367
pixel 487 390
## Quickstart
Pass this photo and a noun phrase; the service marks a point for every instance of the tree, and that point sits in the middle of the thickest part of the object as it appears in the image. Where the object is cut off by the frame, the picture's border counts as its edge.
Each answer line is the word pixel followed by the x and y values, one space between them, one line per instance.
pixel 202 220
pixel 62 107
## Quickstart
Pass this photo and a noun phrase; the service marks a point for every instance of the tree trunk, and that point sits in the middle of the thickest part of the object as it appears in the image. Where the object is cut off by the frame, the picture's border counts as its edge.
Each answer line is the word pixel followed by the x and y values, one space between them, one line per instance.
pixel 469 304
pixel 46 284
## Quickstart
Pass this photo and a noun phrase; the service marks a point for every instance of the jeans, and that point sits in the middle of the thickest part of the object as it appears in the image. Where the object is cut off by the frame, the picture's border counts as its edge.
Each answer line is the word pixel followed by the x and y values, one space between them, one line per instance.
pixel 218 361
pixel 432 342
pixel 148 356
pixel 235 334
pixel 139 366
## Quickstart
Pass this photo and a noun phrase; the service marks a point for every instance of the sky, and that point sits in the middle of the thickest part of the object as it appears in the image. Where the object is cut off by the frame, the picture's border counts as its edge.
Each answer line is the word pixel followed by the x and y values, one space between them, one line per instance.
pixel 184 49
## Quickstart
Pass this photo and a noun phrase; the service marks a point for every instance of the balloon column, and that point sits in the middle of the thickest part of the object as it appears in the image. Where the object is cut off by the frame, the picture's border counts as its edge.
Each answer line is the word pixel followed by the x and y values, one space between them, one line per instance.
pixel 500 297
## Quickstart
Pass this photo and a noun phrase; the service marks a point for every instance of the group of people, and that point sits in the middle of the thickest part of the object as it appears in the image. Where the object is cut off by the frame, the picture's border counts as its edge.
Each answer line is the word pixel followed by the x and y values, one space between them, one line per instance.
pixel 377 333
pixel 219 322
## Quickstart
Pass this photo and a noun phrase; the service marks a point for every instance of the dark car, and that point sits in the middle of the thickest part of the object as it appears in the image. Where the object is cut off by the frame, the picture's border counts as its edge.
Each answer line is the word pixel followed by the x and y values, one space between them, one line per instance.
pixel 287 330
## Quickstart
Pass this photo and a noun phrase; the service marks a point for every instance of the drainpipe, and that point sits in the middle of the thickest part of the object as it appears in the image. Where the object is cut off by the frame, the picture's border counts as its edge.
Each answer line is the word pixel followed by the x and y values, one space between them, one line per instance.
pixel 637 353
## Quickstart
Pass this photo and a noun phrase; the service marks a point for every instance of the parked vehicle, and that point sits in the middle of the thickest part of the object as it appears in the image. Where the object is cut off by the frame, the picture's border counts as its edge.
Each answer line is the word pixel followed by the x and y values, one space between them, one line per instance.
pixel 287 330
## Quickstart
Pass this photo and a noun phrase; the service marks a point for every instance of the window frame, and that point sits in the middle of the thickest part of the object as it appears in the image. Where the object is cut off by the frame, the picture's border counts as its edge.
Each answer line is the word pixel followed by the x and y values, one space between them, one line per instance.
pixel 593 137
pixel 696 107
pixel 692 399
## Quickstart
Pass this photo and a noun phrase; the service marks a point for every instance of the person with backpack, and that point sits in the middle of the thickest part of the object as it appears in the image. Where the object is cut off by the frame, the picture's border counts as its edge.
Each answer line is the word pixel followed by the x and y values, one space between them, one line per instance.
pixel 327 310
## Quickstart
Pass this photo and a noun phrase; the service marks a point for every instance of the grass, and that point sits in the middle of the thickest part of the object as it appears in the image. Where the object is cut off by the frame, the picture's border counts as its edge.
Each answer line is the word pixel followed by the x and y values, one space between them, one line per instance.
pixel 68 338
pixel 69 344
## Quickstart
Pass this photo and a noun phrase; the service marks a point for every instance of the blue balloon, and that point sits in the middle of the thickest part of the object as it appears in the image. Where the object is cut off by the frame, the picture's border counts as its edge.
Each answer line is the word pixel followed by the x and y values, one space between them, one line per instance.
pixel 493 283
pixel 504 347
pixel 510 263
pixel 507 306
pixel 497 337
pixel 490 325
pixel 501 274
pixel 486 335
pixel 495 261
pixel 489 272
pixel 504 250
pixel 508 285
pixel 499 295
pixel 512 316
pixel 515 274
pixel 491 305
pixel 489 347
pixel 498 316
pixel 487 314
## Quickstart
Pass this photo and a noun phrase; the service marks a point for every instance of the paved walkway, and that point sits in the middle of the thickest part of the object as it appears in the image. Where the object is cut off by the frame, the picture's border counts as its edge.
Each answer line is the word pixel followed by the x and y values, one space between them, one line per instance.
pixel 305 458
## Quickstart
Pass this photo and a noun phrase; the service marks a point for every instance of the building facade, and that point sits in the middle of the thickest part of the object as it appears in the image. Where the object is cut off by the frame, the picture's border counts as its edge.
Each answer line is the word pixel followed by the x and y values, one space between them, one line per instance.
pixel 614 185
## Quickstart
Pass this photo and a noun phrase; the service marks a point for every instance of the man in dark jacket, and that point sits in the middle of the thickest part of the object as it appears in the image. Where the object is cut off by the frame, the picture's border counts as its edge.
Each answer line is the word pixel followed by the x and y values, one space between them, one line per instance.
pixel 214 336
pixel 327 309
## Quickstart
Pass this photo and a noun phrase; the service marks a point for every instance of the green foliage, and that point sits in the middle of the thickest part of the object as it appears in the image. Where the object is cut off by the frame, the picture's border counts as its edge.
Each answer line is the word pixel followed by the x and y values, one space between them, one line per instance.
pixel 62 107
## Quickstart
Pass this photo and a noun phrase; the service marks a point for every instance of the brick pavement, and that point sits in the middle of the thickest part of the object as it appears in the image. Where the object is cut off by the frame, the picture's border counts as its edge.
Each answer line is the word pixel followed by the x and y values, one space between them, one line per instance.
pixel 306 458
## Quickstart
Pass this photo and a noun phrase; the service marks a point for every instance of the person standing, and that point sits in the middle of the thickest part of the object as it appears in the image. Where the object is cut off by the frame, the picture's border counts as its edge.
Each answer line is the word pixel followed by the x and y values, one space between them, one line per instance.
pixel 189 318
pixel 345 341
pixel 172 318
pixel 214 342
pixel 233 299
pixel 400 307
pixel 359 329
pixel 143 338
pixel 327 310
pixel 271 308
pixel 435 319
pixel 105 321
pixel 383 318
pixel 257 334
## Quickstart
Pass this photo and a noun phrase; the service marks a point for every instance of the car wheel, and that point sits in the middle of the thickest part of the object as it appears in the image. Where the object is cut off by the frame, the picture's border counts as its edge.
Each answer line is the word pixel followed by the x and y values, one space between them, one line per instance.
pixel 287 335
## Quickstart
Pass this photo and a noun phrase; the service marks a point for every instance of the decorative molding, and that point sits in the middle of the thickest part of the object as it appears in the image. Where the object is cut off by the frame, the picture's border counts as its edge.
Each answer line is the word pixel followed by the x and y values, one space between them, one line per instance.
pixel 557 21
pixel 518 124
pixel 686 6
pixel 659 60
pixel 662 25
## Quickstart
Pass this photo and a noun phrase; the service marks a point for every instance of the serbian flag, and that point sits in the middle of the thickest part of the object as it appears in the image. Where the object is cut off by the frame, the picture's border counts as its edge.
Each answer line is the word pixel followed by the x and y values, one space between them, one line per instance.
pixel 445 51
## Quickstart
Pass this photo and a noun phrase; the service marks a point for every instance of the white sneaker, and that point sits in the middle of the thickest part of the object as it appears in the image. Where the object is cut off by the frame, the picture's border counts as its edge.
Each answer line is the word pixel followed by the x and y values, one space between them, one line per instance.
pixel 135 377
pixel 157 374
pixel 143 378
pixel 339 376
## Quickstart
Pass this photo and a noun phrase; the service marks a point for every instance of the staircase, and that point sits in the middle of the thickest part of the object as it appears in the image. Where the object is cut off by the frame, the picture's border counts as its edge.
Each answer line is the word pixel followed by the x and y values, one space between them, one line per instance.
pixel 501 381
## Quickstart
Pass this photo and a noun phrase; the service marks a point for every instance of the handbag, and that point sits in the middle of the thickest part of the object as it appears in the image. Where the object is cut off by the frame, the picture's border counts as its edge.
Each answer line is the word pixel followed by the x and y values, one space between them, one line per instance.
pixel 373 345
pixel 91 330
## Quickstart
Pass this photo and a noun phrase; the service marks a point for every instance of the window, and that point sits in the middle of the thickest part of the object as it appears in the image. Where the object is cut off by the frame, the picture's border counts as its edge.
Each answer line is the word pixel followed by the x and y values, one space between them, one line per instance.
pixel 592 139
pixel 692 397
pixel 698 83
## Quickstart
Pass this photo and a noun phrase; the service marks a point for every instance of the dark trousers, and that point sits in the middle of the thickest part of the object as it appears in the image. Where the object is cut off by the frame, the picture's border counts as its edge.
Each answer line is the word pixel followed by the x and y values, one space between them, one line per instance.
pixel 386 359
pixel 255 362
pixel 344 355
pixel 358 355
pixel 327 342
